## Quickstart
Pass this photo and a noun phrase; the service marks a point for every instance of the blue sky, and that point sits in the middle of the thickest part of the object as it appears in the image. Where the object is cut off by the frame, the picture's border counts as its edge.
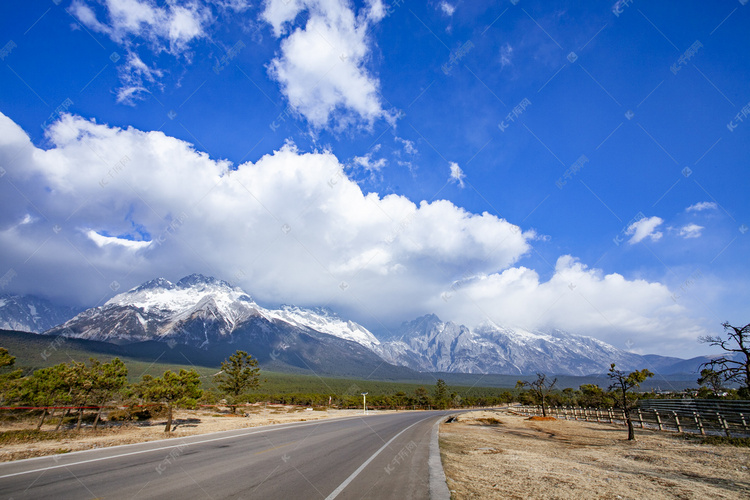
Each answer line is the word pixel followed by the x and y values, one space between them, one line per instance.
pixel 581 166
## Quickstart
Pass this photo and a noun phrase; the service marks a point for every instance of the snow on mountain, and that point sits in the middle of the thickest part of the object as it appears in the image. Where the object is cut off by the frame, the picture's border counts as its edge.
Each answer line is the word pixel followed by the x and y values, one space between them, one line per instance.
pixel 326 321
pixel 429 344
pixel 160 309
pixel 27 313
pixel 202 311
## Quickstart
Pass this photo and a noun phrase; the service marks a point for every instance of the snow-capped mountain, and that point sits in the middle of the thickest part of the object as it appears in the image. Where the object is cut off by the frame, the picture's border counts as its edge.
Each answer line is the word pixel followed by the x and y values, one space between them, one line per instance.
pixel 203 312
pixel 326 321
pixel 209 314
pixel 429 344
pixel 26 313
pixel 161 310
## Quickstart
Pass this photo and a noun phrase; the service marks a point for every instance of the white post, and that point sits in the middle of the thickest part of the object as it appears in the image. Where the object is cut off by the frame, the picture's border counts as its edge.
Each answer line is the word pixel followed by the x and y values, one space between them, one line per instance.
pixel 364 402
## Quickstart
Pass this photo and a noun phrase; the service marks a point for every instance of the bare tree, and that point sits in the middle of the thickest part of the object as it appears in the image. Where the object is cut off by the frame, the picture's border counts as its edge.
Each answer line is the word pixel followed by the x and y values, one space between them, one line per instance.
pixel 735 365
pixel 622 384
pixel 540 387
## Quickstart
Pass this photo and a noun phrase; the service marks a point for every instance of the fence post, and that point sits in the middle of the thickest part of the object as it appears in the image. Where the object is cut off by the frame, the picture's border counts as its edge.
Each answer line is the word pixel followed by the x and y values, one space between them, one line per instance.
pixel 723 423
pixel 658 420
pixel 610 413
pixel 699 423
pixel 744 425
pixel 677 421
pixel 640 418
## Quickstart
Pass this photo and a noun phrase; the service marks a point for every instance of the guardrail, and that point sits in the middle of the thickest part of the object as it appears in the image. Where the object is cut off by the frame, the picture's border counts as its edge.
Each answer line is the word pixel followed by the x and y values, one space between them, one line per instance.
pixel 704 419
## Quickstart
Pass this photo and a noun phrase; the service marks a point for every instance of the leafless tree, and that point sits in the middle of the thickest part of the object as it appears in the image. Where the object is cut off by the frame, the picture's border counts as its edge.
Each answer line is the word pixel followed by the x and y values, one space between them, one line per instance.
pixel 735 365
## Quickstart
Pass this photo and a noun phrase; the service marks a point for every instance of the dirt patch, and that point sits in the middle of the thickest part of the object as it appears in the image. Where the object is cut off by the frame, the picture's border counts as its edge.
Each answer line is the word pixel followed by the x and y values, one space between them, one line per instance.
pixel 489 421
pixel 562 459
pixel 541 419
pixel 18 440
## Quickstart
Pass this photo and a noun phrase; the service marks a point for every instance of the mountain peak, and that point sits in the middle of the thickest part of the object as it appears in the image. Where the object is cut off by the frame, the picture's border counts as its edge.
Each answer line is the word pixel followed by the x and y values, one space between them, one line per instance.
pixel 155 283
pixel 199 279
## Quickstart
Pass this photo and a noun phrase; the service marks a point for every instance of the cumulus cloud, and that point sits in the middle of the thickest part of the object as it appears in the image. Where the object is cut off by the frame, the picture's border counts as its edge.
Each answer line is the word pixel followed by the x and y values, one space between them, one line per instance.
pixel 576 299
pixel 321 67
pixel 644 228
pixel 457 175
pixel 292 225
pixel 691 231
pixel 701 206
pixel 106 207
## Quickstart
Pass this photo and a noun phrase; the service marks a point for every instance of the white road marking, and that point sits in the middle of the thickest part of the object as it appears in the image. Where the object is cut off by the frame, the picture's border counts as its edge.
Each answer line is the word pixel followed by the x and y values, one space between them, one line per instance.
pixel 349 479
pixel 233 436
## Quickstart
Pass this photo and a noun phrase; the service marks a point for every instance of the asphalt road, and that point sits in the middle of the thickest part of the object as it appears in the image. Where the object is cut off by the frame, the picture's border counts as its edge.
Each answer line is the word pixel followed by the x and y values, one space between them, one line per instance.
pixel 373 456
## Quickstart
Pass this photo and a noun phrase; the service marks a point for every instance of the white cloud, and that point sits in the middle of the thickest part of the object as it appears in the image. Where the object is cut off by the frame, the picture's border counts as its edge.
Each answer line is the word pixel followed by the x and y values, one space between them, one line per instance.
pixel 293 223
pixel 644 228
pixel 447 8
pixel 170 28
pixel 576 299
pixel 457 175
pixel 377 10
pixel 134 75
pixel 321 67
pixel 409 147
pixel 691 231
pixel 233 5
pixel 371 166
pixel 506 52
pixel 102 241
pixel 293 228
pixel 703 205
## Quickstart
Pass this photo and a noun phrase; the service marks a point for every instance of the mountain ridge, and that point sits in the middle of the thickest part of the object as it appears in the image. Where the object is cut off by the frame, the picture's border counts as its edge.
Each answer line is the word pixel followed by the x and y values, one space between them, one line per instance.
pixel 206 312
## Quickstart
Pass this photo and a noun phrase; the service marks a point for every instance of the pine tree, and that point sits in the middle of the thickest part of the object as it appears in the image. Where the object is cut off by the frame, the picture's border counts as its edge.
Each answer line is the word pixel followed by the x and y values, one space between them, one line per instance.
pixel 108 380
pixel 43 388
pixel 238 374
pixel 441 394
pixel 171 389
pixel 622 384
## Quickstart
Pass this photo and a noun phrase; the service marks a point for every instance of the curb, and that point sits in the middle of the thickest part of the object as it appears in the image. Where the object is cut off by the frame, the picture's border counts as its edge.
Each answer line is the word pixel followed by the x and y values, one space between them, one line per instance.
pixel 438 485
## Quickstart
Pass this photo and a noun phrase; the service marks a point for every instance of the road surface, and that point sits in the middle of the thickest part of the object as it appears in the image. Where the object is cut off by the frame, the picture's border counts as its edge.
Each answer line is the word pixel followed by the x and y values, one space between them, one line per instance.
pixel 373 456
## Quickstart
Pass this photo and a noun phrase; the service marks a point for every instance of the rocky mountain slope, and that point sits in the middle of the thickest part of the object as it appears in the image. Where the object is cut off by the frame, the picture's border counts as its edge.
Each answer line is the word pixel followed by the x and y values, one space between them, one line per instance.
pixel 429 344
pixel 27 313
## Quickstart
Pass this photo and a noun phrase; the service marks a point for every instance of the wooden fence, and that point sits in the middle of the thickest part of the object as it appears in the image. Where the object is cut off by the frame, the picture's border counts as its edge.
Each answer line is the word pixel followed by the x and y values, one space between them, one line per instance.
pixel 691 419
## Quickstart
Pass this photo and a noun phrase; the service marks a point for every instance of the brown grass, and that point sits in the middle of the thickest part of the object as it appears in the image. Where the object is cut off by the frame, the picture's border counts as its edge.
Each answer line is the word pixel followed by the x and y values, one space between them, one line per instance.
pixel 560 459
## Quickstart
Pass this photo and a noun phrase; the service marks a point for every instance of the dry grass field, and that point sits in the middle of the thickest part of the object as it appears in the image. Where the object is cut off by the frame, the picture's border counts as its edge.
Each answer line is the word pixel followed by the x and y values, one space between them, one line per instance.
pixel 495 454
